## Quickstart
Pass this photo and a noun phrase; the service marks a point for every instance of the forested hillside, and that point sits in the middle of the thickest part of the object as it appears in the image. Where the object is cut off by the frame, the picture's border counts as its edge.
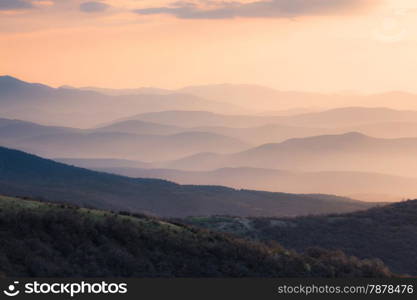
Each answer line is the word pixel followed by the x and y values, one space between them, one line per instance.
pixel 387 232
pixel 44 240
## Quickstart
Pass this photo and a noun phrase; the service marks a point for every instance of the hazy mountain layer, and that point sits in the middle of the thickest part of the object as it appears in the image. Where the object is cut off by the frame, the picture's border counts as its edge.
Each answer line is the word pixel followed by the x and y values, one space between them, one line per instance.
pixel 346 152
pixel 128 146
pixel 80 108
pixel 94 163
pixel 254 135
pixel 67 106
pixel 141 127
pixel 203 118
pixel 27 175
pixel 259 98
pixel 338 118
pixel 138 141
pixel 351 116
pixel 17 129
pixel 362 186
pixel 277 132
pixel 272 133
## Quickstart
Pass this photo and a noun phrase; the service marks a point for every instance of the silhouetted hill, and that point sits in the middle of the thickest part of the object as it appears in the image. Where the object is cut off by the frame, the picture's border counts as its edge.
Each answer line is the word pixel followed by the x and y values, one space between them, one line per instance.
pixel 351 116
pixel 257 135
pixel 46 240
pixel 94 163
pixel 389 130
pixel 256 97
pixel 17 129
pixel 81 108
pixel 334 121
pixel 127 145
pixel 12 88
pixel 357 120
pixel 68 106
pixel 261 98
pixel 124 92
pixel 251 96
pixel 203 119
pixel 270 133
pixel 362 186
pixel 387 232
pixel 346 152
pixel 22 174
pixel 122 140
pixel 141 127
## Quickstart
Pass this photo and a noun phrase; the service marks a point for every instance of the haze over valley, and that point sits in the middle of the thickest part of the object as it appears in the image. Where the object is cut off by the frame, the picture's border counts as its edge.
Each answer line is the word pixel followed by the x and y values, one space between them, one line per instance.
pixel 190 136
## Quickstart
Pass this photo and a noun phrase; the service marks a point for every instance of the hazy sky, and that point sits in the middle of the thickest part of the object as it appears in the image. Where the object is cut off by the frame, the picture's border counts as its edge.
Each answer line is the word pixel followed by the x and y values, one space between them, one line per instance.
pixel 313 45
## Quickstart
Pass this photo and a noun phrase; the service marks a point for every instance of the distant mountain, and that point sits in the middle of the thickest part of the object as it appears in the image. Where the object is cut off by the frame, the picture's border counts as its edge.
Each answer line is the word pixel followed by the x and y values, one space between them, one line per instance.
pixel 11 129
pixel 94 163
pixel 387 233
pixel 261 99
pixel 351 116
pixel 290 112
pixel 270 133
pixel 141 127
pixel 204 119
pixel 362 186
pixel 339 118
pixel 68 106
pixel 125 92
pixel 118 141
pixel 377 122
pixel 258 98
pixel 22 174
pixel 16 129
pixel 81 108
pixel 346 152
pixel 12 88
pixel 136 140
pixel 394 99
pixel 389 130
pixel 126 145
pixel 66 241
pixel 251 96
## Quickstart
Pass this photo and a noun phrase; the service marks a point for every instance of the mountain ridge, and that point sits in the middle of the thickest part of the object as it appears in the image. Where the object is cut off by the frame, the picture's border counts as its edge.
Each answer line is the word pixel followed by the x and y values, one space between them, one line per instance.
pixel 61 106
pixel 339 152
pixel 385 232
pixel 22 174
pixel 363 186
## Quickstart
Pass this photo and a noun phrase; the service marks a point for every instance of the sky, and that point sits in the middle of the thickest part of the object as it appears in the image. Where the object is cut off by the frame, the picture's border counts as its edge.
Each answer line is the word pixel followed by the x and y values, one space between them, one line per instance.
pixel 303 45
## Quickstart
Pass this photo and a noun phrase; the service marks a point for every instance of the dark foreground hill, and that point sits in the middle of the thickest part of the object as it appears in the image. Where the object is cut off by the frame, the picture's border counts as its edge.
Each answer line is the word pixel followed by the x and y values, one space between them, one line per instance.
pixel 22 174
pixel 388 233
pixel 50 240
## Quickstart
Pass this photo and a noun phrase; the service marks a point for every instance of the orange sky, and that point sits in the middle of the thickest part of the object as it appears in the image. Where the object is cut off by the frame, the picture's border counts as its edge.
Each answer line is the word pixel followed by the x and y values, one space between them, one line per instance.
pixel 316 48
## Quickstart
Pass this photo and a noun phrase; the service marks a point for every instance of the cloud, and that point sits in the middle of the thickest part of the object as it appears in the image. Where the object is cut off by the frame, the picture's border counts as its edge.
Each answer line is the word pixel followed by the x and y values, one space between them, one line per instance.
pixel 259 9
pixel 93 7
pixel 14 4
